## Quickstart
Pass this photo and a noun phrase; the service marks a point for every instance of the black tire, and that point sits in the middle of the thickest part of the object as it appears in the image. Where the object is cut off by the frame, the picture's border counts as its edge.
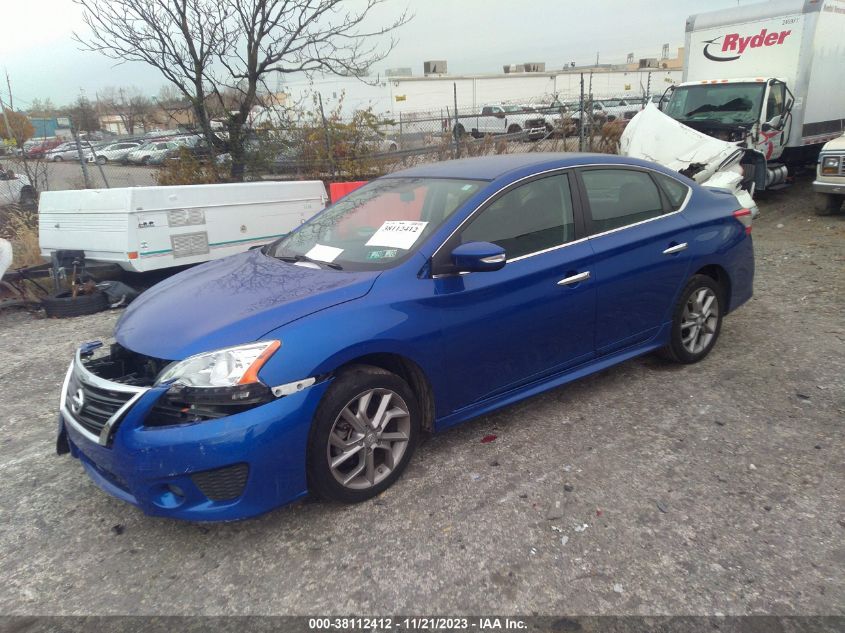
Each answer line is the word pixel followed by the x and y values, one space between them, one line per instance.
pixel 677 351
pixel 29 199
pixel 514 129
pixel 62 304
pixel 828 203
pixel 102 160
pixel 350 384
pixel 58 159
pixel 145 160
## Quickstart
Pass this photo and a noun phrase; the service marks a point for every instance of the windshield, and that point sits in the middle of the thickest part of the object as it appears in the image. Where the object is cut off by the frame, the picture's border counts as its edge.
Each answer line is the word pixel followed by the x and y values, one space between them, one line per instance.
pixel 377 226
pixel 737 103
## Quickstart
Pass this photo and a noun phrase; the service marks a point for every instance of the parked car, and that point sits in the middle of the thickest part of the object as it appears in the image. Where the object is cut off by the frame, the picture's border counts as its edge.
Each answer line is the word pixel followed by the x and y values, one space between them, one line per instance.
pixel 152 153
pixel 829 184
pixel 16 189
pixel 421 300
pixel 502 119
pixel 68 151
pixel 38 149
pixel 617 109
pixel 113 153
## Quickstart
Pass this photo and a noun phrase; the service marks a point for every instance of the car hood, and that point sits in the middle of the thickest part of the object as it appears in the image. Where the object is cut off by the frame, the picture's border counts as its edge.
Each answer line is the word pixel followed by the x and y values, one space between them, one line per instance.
pixel 231 301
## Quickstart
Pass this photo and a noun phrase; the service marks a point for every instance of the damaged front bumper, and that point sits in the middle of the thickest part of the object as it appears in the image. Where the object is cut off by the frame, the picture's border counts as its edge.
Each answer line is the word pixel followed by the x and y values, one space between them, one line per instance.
pixel 221 469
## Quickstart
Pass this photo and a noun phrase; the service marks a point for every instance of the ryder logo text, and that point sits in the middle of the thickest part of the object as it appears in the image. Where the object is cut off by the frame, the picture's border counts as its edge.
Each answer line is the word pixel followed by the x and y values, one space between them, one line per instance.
pixel 738 44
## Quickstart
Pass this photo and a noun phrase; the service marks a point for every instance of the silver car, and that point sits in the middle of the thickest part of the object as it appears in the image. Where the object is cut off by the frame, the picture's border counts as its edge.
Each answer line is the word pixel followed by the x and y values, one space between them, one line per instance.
pixel 67 151
pixel 152 153
pixel 114 153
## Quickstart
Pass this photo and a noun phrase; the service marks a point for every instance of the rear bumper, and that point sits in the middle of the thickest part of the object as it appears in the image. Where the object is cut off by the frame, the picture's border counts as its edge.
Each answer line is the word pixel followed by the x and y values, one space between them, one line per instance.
pixel 154 468
pixel 829 187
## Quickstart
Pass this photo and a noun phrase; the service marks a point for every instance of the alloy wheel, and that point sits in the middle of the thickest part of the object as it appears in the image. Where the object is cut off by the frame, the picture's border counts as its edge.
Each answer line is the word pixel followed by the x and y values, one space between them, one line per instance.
pixel 699 321
pixel 368 438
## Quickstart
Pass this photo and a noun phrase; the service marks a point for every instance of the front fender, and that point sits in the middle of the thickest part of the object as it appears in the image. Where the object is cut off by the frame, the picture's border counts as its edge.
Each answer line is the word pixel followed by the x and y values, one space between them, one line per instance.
pixel 319 344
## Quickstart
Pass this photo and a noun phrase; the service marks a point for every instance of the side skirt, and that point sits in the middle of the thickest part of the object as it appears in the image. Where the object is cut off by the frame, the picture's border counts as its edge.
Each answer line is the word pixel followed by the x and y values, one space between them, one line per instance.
pixel 556 380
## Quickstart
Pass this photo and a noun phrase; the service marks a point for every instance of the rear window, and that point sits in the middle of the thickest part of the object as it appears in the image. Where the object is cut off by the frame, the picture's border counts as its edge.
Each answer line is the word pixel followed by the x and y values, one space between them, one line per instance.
pixel 675 190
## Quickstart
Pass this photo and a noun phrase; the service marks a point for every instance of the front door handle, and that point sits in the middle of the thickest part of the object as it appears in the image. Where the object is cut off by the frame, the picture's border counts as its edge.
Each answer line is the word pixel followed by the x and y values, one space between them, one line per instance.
pixel 574 279
pixel 677 248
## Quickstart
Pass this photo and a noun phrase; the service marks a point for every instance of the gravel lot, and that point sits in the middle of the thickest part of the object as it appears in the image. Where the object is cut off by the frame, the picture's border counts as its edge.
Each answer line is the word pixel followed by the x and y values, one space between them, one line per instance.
pixel 646 489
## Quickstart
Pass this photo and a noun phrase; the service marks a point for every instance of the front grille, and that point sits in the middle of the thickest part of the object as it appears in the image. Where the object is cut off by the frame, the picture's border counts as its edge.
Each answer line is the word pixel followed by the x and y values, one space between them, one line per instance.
pixel 92 406
pixel 222 484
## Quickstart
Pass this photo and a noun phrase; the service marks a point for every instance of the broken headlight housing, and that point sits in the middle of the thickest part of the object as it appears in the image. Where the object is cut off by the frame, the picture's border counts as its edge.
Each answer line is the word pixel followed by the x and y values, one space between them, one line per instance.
pixel 223 377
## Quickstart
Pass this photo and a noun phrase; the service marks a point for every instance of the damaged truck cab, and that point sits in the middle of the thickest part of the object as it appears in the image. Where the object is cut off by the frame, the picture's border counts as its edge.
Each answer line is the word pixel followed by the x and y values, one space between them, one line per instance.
pixel 761 93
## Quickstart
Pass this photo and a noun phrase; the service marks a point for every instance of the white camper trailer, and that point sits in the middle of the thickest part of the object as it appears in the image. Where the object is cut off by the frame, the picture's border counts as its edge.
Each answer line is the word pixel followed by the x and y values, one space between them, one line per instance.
pixel 150 228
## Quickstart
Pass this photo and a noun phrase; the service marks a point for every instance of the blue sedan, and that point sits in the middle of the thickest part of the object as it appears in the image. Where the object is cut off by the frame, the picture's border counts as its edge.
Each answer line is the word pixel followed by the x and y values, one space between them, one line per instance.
pixel 422 300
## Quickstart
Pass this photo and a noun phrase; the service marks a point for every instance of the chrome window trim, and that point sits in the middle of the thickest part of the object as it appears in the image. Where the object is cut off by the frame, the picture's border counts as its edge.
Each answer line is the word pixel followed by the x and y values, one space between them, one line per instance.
pixel 578 241
pixel 83 375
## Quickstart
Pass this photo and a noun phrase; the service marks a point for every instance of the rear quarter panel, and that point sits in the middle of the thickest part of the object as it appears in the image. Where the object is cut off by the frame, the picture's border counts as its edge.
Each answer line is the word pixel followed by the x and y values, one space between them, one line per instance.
pixel 719 239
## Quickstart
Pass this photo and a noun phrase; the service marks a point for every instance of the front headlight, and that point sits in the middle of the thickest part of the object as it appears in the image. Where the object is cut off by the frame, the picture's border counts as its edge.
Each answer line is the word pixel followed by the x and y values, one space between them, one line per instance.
pixel 221 368
pixel 830 165
pixel 224 376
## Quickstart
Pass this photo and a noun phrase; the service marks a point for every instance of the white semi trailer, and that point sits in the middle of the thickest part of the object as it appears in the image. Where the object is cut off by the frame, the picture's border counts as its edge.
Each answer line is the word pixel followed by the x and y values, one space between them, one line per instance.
pixel 767 79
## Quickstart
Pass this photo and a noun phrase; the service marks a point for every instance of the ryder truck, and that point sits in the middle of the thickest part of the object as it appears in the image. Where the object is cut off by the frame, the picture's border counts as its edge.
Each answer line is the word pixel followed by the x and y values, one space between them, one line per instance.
pixel 767 79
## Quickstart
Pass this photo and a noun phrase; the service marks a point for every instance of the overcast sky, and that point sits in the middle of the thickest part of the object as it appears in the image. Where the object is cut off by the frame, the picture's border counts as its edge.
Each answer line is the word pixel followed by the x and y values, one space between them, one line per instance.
pixel 475 36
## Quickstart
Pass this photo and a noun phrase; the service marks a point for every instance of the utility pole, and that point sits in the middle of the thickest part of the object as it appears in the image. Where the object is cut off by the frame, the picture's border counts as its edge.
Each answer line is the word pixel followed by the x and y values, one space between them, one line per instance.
pixel 455 127
pixel 583 121
pixel 79 154
pixel 9 86
pixel 326 131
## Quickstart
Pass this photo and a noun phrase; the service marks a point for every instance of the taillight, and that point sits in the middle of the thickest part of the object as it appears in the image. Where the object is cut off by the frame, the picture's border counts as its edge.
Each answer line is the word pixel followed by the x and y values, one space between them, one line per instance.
pixel 744 216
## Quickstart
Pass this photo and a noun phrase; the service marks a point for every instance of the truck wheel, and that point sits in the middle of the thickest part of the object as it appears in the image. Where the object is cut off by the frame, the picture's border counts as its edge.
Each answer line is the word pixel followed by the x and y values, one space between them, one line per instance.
pixel 62 304
pixel 102 160
pixel 828 203
pixel 514 129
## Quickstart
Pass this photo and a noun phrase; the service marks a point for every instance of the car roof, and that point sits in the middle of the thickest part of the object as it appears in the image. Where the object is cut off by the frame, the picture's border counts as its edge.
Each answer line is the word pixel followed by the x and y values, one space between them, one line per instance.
pixel 493 167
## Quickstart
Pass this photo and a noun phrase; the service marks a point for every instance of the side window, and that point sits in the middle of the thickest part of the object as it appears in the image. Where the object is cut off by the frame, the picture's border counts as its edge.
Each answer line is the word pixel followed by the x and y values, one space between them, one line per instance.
pixel 675 190
pixel 774 104
pixel 619 197
pixel 533 217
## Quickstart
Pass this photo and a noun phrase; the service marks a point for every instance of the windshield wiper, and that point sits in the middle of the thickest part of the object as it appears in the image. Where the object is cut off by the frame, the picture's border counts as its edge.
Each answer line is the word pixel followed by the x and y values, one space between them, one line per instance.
pixel 304 258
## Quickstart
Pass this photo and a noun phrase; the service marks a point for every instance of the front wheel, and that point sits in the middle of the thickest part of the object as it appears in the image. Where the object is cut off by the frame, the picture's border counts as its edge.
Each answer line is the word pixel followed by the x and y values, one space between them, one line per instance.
pixel 828 203
pixel 364 433
pixel 102 160
pixel 696 321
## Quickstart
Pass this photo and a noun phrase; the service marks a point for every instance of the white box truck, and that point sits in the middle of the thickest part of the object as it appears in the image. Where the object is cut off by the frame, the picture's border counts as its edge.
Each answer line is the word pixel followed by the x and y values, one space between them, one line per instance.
pixel 149 228
pixel 767 79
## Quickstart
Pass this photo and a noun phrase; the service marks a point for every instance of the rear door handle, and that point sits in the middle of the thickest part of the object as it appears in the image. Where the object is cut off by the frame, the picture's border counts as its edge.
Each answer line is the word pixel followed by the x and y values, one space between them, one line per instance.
pixel 677 248
pixel 574 279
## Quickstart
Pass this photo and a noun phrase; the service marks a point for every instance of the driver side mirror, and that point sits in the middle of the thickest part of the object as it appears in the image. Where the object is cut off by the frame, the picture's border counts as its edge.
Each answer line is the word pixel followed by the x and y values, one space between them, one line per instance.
pixel 479 257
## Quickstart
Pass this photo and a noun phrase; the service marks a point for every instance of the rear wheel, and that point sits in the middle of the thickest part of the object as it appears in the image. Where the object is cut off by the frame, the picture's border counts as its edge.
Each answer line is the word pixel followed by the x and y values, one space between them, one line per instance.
pixel 514 129
pixel 365 431
pixel 102 160
pixel 58 159
pixel 696 321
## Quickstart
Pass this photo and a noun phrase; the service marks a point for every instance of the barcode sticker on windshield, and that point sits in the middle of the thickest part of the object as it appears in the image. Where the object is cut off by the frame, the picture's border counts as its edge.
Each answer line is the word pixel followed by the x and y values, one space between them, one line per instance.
pixel 397 234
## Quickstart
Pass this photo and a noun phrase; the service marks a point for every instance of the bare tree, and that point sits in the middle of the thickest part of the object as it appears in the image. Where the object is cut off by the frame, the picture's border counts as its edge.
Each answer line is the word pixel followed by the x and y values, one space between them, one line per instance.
pixel 126 103
pixel 208 48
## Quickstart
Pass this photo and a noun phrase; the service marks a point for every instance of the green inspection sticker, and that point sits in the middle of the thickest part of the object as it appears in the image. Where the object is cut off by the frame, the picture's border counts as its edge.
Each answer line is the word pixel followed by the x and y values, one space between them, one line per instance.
pixel 382 254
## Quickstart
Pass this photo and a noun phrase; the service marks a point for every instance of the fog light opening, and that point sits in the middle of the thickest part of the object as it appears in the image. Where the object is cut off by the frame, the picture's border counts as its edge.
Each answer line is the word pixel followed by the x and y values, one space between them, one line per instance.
pixel 168 496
